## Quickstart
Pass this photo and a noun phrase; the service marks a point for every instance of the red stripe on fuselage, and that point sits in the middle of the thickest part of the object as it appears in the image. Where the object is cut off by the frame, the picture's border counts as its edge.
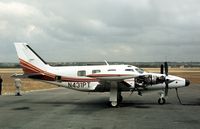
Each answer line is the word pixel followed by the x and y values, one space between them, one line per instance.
pixel 29 68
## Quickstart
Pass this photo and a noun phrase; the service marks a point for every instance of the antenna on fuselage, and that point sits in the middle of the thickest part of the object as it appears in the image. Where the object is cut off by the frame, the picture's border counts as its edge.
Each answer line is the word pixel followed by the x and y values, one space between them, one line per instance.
pixel 106 62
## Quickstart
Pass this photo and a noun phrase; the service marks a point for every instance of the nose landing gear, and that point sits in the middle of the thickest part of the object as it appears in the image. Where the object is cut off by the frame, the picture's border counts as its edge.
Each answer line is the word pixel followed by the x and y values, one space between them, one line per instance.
pixel 162 99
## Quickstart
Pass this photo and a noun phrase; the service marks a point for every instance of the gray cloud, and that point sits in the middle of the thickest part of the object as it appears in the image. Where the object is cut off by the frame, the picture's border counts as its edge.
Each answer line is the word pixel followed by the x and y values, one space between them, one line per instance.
pixel 93 30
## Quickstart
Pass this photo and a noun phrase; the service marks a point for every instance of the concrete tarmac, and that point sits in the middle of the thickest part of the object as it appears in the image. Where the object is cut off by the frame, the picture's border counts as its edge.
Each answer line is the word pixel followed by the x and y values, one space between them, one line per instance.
pixel 68 109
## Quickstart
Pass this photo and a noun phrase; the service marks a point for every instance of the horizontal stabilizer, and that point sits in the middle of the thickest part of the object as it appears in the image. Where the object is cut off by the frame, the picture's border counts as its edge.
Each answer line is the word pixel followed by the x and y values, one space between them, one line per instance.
pixel 33 75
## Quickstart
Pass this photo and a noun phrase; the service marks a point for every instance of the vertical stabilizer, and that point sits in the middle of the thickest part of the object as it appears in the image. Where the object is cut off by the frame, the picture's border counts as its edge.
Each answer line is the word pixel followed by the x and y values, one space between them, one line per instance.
pixel 30 61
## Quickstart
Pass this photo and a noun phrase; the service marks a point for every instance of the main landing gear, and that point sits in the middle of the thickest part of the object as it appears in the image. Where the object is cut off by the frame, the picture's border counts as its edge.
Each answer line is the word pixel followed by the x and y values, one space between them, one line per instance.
pixel 162 99
pixel 115 95
pixel 116 103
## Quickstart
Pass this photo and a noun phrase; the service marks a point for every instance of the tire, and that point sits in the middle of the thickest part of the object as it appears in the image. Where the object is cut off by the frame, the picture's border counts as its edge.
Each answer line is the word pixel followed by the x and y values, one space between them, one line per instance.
pixel 113 104
pixel 161 101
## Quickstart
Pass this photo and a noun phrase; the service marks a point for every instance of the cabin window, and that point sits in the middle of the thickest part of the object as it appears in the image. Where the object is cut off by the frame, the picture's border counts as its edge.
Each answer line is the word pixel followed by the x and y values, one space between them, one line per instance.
pixel 96 71
pixel 112 70
pixel 81 73
pixel 129 70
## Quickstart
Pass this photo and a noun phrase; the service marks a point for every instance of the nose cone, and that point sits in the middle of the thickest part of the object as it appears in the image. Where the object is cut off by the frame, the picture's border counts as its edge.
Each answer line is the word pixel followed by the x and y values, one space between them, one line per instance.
pixel 187 82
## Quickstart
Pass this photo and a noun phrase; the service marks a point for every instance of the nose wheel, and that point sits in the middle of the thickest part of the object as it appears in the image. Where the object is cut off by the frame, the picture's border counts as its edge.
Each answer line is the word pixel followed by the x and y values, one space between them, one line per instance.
pixel 161 101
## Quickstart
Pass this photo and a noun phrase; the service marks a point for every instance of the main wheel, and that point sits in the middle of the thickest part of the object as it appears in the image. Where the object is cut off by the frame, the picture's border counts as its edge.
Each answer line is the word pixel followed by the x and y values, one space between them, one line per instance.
pixel 114 104
pixel 161 101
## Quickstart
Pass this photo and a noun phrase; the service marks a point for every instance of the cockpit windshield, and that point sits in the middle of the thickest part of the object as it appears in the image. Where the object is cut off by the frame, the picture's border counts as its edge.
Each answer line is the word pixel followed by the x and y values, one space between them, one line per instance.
pixel 139 70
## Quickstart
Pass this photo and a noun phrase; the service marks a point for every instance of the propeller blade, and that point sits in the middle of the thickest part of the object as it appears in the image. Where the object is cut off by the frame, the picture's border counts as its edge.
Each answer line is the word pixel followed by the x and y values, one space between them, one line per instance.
pixel 166 80
pixel 166 87
pixel 166 68
pixel 161 69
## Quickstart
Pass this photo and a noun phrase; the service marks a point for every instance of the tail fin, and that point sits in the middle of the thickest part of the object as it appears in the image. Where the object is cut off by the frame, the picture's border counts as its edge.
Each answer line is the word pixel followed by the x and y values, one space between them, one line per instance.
pixel 30 61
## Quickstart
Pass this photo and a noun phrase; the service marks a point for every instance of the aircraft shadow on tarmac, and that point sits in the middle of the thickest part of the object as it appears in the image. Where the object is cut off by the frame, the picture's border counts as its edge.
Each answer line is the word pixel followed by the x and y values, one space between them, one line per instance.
pixel 88 107
pixel 103 103
pixel 99 103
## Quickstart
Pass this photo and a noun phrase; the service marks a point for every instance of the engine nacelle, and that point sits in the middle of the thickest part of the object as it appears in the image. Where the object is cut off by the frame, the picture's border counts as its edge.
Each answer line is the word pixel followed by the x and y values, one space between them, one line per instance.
pixel 147 80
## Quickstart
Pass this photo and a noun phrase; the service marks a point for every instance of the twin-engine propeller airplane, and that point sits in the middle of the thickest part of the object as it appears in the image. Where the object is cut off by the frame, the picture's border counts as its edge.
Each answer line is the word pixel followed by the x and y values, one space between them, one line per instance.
pixel 104 78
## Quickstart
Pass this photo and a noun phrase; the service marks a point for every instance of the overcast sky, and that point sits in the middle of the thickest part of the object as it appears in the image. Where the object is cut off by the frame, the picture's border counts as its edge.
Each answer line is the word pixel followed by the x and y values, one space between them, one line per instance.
pixel 95 30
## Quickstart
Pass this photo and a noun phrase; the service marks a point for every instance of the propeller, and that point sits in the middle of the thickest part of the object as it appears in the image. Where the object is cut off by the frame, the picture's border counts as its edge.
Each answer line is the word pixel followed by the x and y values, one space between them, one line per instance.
pixel 166 80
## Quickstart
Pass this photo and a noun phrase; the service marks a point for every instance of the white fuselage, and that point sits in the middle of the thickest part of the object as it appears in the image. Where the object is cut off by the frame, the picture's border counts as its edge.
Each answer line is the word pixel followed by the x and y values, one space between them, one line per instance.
pixel 84 81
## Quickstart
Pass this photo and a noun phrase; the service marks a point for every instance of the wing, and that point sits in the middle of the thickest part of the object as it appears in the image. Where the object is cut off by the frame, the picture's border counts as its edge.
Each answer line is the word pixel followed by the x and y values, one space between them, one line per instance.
pixel 111 76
